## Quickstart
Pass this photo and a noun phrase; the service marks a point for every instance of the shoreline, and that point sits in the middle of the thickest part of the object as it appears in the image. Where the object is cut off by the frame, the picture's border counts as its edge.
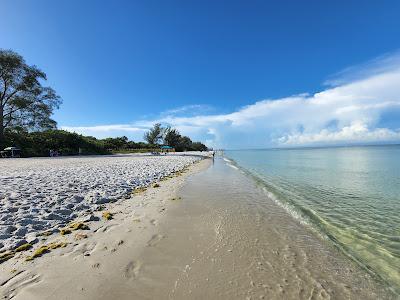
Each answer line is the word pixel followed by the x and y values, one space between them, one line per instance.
pixel 259 250
pixel 323 204
pixel 203 234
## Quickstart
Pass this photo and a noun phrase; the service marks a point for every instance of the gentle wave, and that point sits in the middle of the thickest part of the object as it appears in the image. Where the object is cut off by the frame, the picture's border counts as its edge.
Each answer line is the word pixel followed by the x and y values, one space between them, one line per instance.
pixel 358 228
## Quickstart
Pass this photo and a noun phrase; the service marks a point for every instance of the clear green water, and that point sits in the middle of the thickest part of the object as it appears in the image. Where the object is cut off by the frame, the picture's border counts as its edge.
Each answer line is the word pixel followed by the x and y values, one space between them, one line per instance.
pixel 351 195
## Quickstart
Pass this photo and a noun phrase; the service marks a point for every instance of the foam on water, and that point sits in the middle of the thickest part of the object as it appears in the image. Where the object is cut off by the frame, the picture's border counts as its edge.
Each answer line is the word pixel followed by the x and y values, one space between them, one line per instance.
pixel 348 195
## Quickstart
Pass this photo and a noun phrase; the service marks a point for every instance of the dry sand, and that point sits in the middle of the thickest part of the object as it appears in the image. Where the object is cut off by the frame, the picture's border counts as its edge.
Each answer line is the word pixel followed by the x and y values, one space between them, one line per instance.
pixel 39 194
pixel 88 261
pixel 197 236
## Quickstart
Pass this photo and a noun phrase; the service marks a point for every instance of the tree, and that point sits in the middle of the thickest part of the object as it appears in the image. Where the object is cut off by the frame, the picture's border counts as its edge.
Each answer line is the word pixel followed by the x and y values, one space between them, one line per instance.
pixel 24 101
pixel 116 143
pixel 197 146
pixel 172 137
pixel 185 143
pixel 155 134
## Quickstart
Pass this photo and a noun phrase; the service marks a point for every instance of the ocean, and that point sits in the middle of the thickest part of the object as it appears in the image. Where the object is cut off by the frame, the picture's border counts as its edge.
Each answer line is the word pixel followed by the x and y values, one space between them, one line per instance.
pixel 348 195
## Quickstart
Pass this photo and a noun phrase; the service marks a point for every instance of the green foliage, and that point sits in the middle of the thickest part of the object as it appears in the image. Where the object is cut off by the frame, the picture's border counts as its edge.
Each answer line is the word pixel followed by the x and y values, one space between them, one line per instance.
pixel 197 146
pixel 172 138
pixel 122 144
pixel 116 143
pixel 184 144
pixel 24 102
pixel 39 143
pixel 155 134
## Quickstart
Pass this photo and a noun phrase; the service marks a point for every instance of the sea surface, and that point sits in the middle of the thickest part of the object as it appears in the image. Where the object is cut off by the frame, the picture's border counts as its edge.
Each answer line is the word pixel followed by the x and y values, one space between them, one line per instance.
pixel 349 195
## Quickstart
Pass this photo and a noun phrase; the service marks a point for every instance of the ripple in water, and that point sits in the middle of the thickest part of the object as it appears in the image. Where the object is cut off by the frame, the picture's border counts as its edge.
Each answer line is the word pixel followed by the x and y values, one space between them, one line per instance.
pixel 351 195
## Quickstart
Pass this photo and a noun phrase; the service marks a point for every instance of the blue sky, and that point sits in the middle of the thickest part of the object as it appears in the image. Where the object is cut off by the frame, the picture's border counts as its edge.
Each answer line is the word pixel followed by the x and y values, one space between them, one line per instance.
pixel 229 73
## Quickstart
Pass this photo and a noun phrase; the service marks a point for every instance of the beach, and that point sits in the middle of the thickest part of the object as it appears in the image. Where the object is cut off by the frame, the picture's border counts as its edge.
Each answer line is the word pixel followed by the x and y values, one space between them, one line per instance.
pixel 183 228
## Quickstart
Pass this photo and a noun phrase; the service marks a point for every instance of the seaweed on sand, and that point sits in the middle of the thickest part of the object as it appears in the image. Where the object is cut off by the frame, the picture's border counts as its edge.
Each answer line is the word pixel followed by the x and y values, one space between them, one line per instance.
pixel 107 215
pixel 23 247
pixel 65 231
pixel 73 227
pixel 46 249
pixel 79 225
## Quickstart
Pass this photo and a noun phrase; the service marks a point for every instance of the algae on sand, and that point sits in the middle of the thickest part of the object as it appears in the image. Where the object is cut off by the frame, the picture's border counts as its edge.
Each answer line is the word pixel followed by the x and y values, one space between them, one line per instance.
pixel 107 215
pixel 78 225
pixel 73 227
pixel 10 254
pixel 65 231
pixel 46 249
pixel 23 247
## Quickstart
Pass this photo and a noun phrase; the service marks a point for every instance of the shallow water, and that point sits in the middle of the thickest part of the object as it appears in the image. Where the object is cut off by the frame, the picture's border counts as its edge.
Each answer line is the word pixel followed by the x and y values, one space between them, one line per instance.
pixel 350 195
pixel 234 242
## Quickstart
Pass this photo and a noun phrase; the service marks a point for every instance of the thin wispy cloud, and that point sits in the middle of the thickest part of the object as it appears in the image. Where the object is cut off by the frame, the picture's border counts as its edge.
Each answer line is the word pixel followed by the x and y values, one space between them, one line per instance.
pixel 382 64
pixel 103 131
pixel 350 111
pixel 188 110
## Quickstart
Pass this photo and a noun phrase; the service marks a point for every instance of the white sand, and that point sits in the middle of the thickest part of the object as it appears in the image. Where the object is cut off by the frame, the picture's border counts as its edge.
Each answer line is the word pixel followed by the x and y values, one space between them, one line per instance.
pixel 213 243
pixel 104 255
pixel 42 194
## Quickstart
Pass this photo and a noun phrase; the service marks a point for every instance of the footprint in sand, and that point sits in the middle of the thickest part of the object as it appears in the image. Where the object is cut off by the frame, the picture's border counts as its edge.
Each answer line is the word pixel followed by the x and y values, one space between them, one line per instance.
pixel 107 228
pixel 19 282
pixel 155 239
pixel 132 269
pixel 12 277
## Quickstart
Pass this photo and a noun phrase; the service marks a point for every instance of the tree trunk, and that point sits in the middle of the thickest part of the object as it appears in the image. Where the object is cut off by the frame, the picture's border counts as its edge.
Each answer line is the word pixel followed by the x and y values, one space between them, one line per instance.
pixel 2 139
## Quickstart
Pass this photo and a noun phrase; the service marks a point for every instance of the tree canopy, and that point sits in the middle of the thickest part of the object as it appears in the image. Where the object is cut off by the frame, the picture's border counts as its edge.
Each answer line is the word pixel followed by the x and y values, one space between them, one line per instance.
pixel 171 137
pixel 24 102
pixel 155 134
pixel 26 107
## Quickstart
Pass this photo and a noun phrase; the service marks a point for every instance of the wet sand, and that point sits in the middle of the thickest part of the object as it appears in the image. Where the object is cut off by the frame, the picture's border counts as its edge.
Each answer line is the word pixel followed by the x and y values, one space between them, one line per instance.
pixel 245 246
pixel 217 237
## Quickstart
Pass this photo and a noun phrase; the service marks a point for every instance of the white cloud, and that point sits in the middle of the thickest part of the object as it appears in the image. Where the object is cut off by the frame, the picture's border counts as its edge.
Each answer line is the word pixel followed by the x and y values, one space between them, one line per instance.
pixel 347 113
pixel 103 131
pixel 356 132
pixel 382 64
pixel 192 109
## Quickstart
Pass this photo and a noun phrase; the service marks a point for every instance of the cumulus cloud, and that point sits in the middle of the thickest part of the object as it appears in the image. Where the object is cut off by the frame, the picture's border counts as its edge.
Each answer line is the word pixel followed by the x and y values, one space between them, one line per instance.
pixel 355 132
pixel 350 111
